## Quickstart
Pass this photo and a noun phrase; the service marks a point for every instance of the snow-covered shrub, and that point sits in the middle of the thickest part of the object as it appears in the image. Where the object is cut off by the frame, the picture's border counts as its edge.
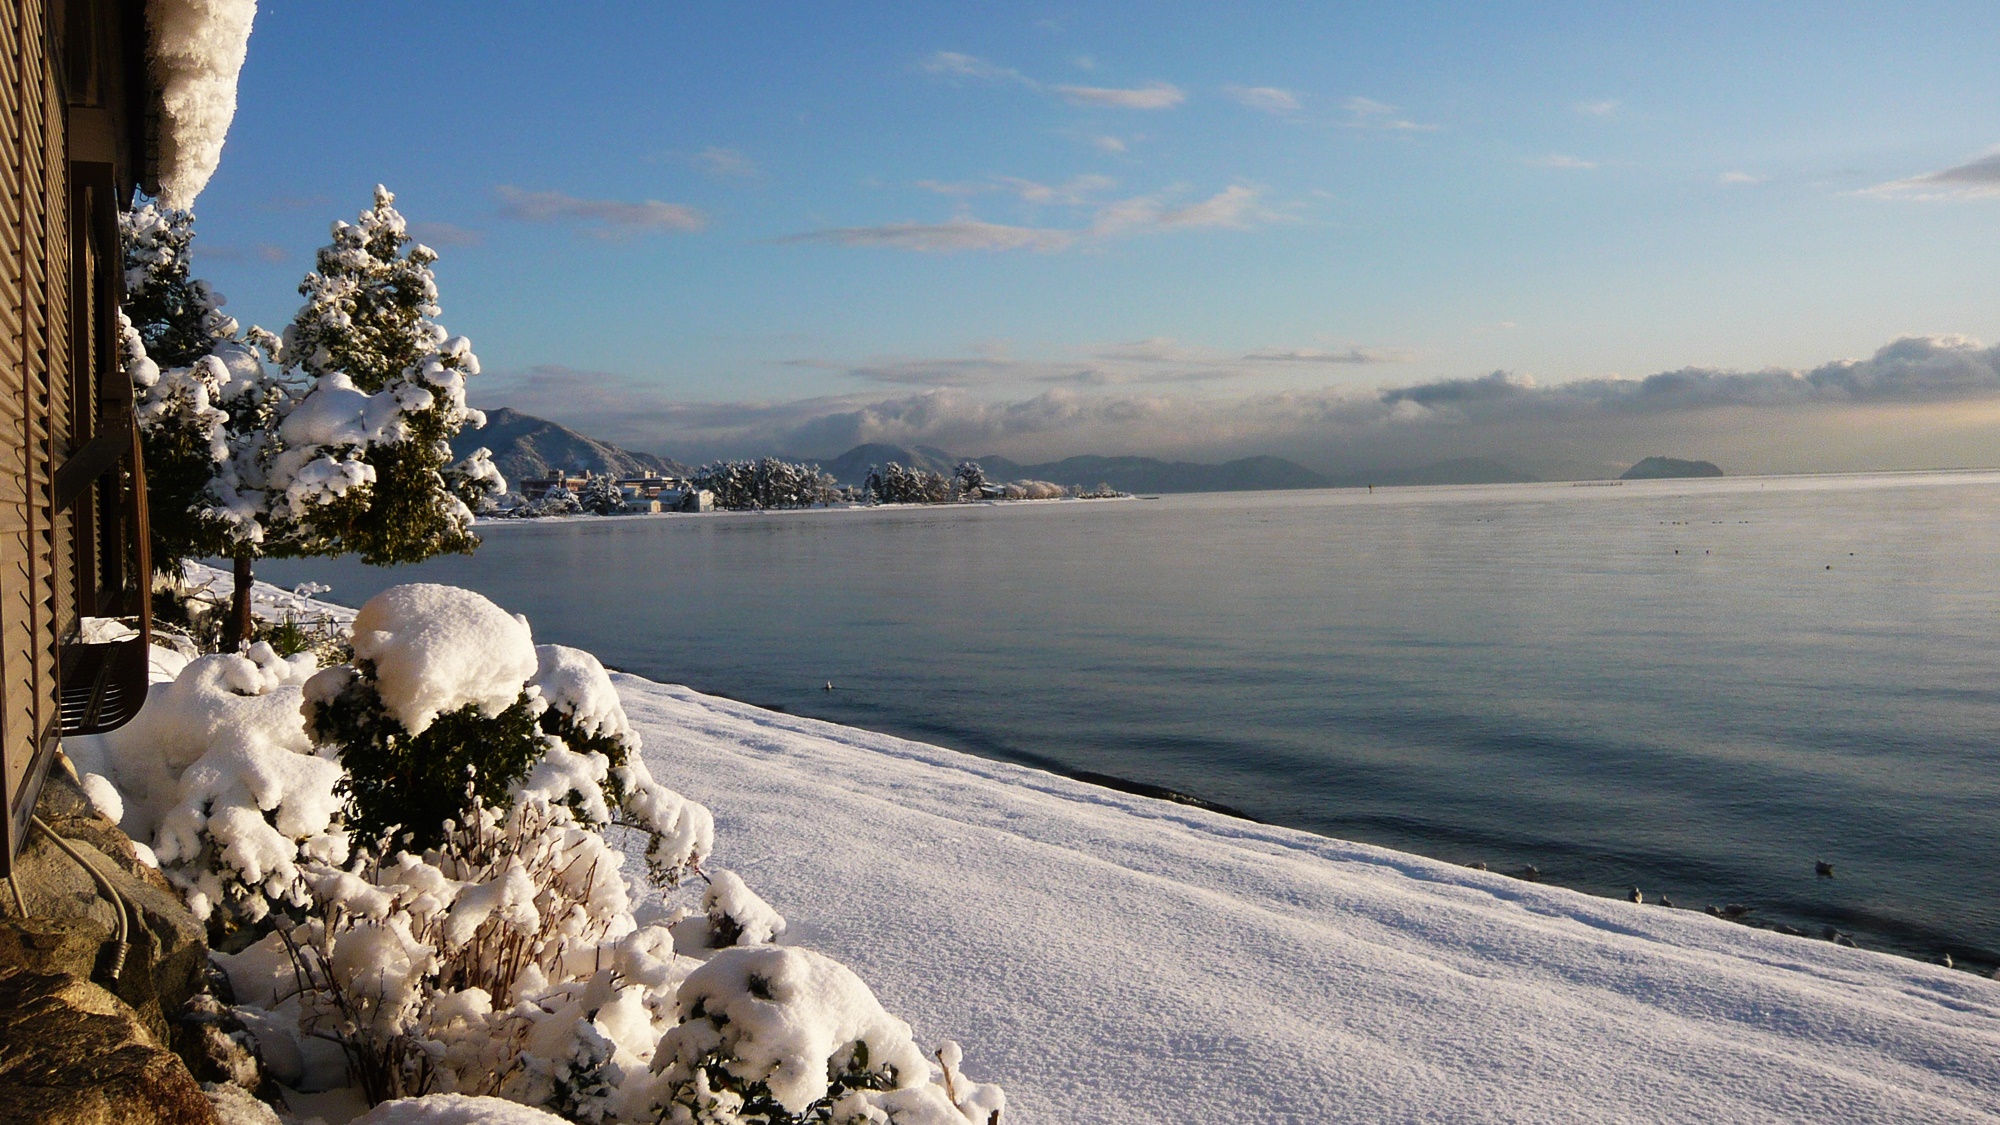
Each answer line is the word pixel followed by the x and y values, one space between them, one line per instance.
pixel 449 701
pixel 507 955
pixel 218 776
pixel 771 1035
pixel 585 715
pixel 403 961
pixel 736 915
pixel 431 713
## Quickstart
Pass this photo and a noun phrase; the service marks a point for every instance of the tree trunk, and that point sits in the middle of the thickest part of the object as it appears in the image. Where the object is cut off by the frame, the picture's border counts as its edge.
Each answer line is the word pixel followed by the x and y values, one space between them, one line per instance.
pixel 239 606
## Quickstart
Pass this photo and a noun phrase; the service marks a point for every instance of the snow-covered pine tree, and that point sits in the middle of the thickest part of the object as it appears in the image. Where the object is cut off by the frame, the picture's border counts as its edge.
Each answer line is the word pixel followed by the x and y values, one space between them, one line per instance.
pixel 601 495
pixel 204 400
pixel 366 465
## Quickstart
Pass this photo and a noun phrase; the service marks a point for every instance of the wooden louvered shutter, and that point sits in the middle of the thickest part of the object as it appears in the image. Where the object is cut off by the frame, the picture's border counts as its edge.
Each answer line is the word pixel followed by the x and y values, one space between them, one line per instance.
pixel 36 581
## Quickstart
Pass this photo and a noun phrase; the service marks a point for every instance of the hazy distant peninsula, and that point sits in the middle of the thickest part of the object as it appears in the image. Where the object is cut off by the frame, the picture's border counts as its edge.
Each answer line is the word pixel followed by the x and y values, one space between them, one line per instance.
pixel 1662 468
pixel 1129 474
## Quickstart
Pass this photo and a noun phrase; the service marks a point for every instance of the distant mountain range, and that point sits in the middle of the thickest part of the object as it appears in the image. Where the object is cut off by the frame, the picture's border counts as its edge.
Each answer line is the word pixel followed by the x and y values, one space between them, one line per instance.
pixel 525 446
pixel 1131 474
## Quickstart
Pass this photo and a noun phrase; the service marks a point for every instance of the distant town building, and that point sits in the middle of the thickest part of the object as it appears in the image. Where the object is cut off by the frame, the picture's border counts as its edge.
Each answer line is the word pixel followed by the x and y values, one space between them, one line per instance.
pixel 646 488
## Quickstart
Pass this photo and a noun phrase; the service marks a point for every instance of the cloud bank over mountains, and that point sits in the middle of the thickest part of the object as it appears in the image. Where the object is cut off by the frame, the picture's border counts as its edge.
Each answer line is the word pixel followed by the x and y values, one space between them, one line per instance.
pixel 1916 402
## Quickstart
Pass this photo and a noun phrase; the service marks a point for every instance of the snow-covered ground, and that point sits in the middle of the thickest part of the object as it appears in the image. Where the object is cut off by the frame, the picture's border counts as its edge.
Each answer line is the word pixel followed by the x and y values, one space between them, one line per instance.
pixel 1111 958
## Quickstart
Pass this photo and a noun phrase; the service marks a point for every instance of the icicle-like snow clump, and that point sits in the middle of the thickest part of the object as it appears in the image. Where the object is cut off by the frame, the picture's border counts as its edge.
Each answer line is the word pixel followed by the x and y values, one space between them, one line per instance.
pixel 198 47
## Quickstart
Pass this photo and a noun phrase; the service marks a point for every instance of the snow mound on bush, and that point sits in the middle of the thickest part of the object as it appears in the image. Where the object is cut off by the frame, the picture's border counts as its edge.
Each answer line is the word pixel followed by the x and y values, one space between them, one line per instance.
pixel 574 682
pixel 786 1018
pixel 437 648
pixel 736 915
pixel 456 1109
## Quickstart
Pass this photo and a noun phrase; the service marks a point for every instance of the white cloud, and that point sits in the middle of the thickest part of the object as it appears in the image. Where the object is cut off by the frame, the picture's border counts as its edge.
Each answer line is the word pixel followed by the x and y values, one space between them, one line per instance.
pixel 1110 144
pixel 1082 407
pixel 1236 208
pixel 1154 95
pixel 1975 179
pixel 1269 99
pixel 946 237
pixel 952 64
pixel 1558 160
pixel 1348 357
pixel 1076 191
pixel 1367 113
pixel 1739 178
pixel 1598 109
pixel 726 162
pixel 613 218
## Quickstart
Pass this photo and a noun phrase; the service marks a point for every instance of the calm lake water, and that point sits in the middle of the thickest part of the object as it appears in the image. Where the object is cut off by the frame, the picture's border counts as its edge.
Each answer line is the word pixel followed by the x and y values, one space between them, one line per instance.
pixel 1696 687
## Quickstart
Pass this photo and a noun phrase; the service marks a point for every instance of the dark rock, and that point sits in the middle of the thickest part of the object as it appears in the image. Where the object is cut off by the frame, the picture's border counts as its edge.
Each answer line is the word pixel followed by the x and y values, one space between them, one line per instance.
pixel 72 1053
pixel 169 949
pixel 1823 869
pixel 215 1045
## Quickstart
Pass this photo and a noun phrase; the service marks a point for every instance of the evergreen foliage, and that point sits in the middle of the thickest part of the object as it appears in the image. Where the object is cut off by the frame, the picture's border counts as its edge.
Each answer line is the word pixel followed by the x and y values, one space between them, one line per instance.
pixel 970 479
pixel 894 484
pixel 204 399
pixel 367 461
pixel 399 783
pixel 601 495
pixel 766 483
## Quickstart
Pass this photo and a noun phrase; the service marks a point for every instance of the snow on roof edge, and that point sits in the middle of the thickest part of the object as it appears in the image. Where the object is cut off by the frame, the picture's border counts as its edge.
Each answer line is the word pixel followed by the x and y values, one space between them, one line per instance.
pixel 195 51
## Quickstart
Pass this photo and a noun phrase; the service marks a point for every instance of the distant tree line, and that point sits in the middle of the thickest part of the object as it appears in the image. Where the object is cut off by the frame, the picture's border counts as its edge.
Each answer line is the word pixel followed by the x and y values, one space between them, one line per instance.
pixel 767 483
pixel 770 483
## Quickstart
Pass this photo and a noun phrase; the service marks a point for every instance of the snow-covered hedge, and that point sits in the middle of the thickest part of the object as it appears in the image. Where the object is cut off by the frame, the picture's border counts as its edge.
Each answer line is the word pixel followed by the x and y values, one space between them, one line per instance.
pixel 419 839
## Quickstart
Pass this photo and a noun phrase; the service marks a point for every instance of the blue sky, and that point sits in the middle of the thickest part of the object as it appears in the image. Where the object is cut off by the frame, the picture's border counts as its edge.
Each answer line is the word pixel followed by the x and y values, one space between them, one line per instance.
pixel 1182 230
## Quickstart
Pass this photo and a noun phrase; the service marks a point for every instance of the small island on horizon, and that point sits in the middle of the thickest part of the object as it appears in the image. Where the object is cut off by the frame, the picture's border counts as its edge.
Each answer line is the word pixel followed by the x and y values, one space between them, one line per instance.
pixel 1666 468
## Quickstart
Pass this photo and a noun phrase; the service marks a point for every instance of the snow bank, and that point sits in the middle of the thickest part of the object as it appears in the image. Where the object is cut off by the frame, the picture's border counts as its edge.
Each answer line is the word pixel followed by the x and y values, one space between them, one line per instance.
pixel 456 1109
pixel 1115 959
pixel 216 774
pixel 197 50
pixel 438 648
